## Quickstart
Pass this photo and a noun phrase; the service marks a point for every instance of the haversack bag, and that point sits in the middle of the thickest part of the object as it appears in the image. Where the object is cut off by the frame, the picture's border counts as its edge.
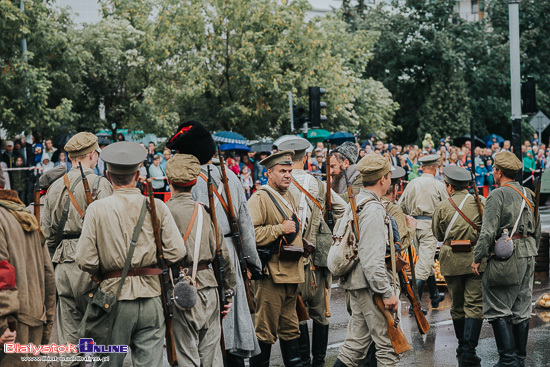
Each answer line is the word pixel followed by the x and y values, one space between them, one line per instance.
pixel 99 315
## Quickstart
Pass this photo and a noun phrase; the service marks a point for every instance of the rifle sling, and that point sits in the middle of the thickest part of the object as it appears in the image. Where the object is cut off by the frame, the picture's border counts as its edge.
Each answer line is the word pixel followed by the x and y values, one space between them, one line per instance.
pixel 190 226
pixel 218 195
pixel 72 198
pixel 474 226
pixel 307 194
pixel 523 196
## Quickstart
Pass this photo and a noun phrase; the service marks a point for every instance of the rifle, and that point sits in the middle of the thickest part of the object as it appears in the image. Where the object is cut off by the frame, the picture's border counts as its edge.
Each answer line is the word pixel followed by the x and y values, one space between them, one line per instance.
pixel 421 321
pixel 398 340
pixel 301 309
pixel 353 204
pixel 327 301
pixel 236 234
pixel 36 203
pixel 218 264
pixel 329 217
pixel 164 280
pixel 472 146
pixel 537 200
pixel 89 198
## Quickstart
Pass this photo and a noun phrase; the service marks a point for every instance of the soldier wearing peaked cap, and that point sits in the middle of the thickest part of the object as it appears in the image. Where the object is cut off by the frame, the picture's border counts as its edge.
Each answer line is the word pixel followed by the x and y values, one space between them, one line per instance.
pixel 367 324
pixel 197 330
pixel 309 194
pixel 106 242
pixel 456 223
pixel 508 279
pixel 62 225
pixel 238 329
pixel 45 181
pixel 275 217
pixel 419 200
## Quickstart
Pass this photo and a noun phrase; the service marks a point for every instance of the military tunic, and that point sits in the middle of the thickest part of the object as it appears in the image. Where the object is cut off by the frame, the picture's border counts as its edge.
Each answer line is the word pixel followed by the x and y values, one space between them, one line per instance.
pixel 464 286
pixel 72 283
pixel 367 323
pixel 312 224
pixel 501 212
pixel 419 200
pixel 102 248
pixel 33 302
pixel 197 331
pixel 276 293
pixel 238 328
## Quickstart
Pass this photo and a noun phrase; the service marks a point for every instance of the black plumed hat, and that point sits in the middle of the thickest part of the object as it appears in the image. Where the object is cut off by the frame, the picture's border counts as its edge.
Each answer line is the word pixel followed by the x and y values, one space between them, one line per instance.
pixel 195 139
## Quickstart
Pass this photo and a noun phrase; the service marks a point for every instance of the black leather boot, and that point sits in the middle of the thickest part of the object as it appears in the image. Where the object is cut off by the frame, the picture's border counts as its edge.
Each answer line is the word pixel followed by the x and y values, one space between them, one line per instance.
pixel 262 359
pixel 420 287
pixel 502 328
pixel 291 353
pixel 303 343
pixel 459 333
pixel 339 363
pixel 319 344
pixel 232 360
pixel 521 332
pixel 371 356
pixel 472 329
pixel 435 296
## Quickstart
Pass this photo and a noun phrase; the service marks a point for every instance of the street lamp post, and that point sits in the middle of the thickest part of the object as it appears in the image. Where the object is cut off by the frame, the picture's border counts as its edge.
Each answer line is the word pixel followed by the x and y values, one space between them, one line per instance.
pixel 515 76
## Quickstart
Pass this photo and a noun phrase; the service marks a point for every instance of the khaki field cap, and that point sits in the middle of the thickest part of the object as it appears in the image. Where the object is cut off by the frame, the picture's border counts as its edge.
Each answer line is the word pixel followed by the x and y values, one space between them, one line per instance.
pixel 81 144
pixel 507 162
pixel 298 145
pixel 183 169
pixel 430 160
pixel 285 157
pixel 457 176
pixel 373 167
pixel 123 157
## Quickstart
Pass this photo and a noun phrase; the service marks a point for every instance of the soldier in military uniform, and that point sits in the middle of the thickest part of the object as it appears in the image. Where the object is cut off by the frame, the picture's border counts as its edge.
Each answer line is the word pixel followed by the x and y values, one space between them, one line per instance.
pixel 276 293
pixel 44 182
pixel 459 219
pixel 193 138
pixel 104 246
pixel 310 194
pixel 508 283
pixel 367 323
pixel 197 330
pixel 419 200
pixel 342 165
pixel 62 225
pixel 27 280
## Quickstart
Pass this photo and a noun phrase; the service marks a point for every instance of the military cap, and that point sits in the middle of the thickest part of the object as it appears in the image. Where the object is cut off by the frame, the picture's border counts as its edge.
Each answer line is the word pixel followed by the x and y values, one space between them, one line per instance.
pixel 457 176
pixel 348 150
pixel 373 167
pixel 50 176
pixel 397 172
pixel 123 157
pixel 183 169
pixel 298 145
pixel 193 138
pixel 81 144
pixel 430 160
pixel 282 157
pixel 507 162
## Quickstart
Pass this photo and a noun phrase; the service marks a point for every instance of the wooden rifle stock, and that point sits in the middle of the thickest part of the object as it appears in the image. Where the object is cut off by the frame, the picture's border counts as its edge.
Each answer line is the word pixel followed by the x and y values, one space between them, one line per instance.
pixel 89 198
pixel 36 202
pixel 236 234
pixel 329 216
pixel 398 340
pixel 301 309
pixel 421 322
pixel 164 280
pixel 478 200
pixel 353 204
pixel 537 201
pixel 218 264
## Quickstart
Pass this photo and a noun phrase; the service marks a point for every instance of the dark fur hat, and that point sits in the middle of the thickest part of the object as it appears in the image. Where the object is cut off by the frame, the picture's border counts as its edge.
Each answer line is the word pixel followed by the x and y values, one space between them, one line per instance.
pixel 195 139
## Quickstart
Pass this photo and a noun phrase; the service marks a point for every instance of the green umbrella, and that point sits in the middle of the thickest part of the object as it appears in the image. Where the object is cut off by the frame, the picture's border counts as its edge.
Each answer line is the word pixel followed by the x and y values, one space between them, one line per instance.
pixel 317 135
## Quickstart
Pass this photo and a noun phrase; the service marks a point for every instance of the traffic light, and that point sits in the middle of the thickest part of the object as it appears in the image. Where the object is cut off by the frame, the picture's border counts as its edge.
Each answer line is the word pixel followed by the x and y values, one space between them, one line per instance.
pixel 299 116
pixel 528 96
pixel 315 106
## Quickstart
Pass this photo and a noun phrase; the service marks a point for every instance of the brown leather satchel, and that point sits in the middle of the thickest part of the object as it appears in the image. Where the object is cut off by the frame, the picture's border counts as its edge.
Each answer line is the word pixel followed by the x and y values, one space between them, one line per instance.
pixel 461 246
pixel 309 247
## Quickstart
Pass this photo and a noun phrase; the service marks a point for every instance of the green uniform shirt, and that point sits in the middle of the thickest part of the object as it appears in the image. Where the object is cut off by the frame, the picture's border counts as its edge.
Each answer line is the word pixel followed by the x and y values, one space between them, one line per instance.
pixel 456 263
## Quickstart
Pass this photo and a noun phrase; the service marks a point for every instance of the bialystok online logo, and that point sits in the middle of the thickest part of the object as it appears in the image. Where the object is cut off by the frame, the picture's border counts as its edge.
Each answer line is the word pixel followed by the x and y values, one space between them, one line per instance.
pixel 84 346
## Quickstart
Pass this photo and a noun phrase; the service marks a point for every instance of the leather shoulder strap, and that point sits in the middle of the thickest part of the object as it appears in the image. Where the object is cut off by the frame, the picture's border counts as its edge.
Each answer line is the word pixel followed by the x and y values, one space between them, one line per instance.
pixel 307 194
pixel 218 195
pixel 276 204
pixel 523 196
pixel 190 226
pixel 72 198
pixel 464 215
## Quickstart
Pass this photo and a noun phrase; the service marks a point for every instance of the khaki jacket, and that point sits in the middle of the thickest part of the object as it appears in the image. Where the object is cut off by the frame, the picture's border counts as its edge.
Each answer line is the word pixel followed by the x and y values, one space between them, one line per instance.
pixel 459 263
pixel 53 208
pixel 181 206
pixel 421 197
pixel 268 226
pixel 405 232
pixel 106 237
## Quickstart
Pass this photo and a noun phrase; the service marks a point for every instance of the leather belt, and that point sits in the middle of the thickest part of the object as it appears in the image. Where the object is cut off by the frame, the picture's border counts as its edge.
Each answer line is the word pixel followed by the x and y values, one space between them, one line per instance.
pixel 201 266
pixel 133 272
pixel 448 243
pixel 71 236
pixel 422 217
pixel 518 236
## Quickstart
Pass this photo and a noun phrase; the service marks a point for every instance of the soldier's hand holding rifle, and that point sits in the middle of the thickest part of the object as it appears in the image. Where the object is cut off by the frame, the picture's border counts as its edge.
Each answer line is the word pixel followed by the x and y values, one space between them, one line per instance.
pixel 226 310
pixel 391 303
